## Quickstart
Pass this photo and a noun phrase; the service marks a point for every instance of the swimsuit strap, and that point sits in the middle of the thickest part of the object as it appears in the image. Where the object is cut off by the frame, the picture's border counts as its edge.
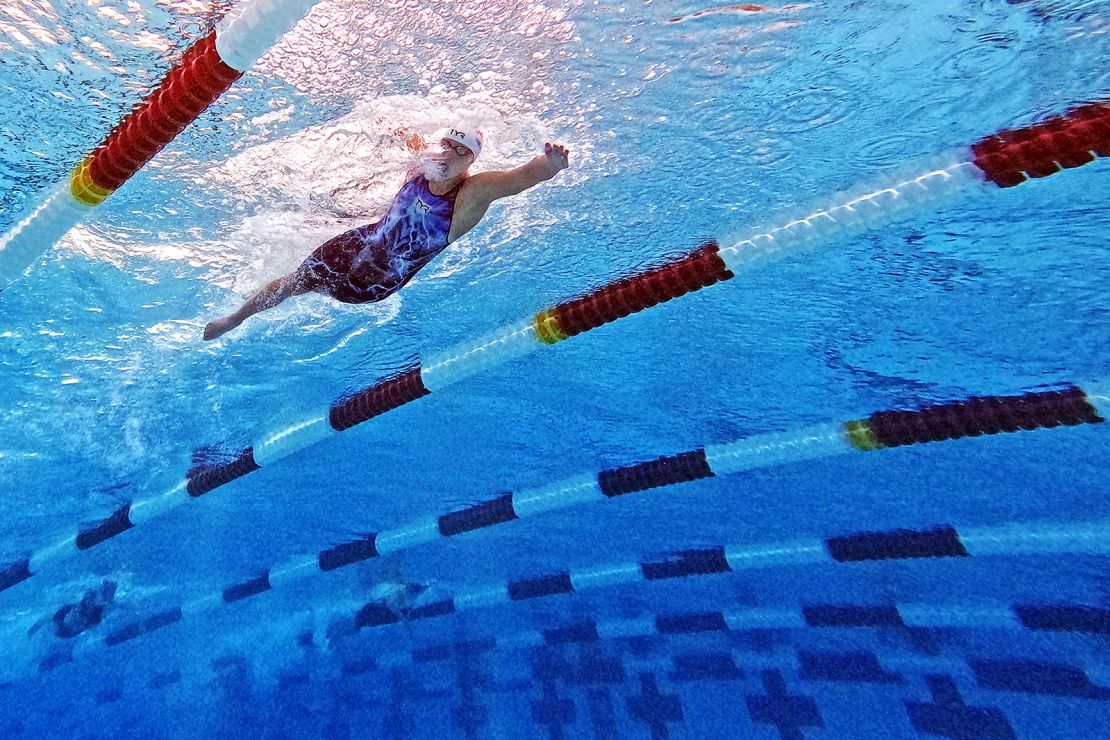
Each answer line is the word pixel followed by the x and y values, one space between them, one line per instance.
pixel 449 196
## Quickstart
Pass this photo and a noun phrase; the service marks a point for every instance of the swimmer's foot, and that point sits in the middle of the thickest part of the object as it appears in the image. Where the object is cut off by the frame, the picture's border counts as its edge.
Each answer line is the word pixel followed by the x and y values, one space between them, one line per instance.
pixel 219 327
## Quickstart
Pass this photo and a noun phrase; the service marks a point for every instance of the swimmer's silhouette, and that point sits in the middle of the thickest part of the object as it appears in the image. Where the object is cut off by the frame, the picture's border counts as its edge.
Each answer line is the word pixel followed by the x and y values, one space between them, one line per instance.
pixel 437 204
pixel 74 619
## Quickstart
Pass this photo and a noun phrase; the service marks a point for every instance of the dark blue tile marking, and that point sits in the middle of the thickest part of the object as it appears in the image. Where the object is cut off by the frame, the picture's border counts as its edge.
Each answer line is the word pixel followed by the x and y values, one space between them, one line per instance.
pixel 762 641
pixel 699 622
pixel 688 563
pixel 247 589
pixel 375 614
pixel 706 667
pixel 553 711
pixel 353 701
pixel 348 553
pixel 1053 679
pixel 470 717
pixel 584 632
pixel 475 647
pixel 107 529
pixel 534 588
pixel 230 663
pixel 832 615
pixel 358 667
pixel 471 677
pixel 1065 618
pixel 399 724
pixel 15 573
pixel 432 653
pixel 435 609
pixel 109 695
pixel 856 666
pixel 290 680
pixel 486 514
pixel 51 662
pixel 898 544
pixel 594 671
pixel 602 716
pixel 548 666
pixel 790 713
pixel 949 716
pixel 654 709
pixel 433 694
pixel 641 646
pixel 162 680
pixel 512 686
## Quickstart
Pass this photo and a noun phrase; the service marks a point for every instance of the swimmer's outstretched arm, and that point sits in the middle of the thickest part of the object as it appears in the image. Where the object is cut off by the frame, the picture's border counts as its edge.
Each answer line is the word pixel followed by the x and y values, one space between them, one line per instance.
pixel 490 186
pixel 480 190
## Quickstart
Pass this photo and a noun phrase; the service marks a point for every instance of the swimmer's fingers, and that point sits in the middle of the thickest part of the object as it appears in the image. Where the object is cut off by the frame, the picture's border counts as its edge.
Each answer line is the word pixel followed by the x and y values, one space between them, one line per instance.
pixel 559 153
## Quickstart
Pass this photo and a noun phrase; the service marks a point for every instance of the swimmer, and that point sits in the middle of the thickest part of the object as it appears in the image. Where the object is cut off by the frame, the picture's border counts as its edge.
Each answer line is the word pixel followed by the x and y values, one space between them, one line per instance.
pixel 438 203
pixel 74 619
pixel 398 598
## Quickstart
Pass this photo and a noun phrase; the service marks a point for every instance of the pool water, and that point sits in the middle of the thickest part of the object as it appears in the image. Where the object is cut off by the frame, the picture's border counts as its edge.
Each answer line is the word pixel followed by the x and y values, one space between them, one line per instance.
pixel 721 604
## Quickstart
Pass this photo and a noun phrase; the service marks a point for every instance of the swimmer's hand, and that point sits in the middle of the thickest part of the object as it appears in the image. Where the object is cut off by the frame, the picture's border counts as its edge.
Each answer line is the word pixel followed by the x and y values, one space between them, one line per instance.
pixel 558 158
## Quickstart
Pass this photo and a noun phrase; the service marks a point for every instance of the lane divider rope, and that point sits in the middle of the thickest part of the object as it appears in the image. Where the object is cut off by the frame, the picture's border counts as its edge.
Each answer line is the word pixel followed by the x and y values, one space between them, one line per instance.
pixel 205 72
pixel 884 430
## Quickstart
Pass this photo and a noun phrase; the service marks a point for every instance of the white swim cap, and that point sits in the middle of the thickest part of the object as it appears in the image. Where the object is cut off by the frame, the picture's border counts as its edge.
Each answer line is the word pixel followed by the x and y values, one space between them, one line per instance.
pixel 471 138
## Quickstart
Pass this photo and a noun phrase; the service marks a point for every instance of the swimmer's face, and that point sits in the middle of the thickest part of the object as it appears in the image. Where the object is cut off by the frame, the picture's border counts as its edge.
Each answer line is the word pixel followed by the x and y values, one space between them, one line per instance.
pixel 453 159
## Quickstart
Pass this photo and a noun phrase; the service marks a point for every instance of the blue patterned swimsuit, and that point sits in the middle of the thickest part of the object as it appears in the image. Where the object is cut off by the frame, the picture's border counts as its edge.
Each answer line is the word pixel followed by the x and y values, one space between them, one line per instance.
pixel 372 262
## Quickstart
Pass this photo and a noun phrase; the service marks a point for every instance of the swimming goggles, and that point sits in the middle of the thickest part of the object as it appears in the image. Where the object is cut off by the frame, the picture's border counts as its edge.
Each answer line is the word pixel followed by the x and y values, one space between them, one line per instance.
pixel 461 150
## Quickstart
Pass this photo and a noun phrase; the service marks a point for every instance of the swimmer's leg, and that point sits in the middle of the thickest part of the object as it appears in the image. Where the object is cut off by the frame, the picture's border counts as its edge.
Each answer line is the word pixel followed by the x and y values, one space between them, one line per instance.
pixel 265 299
pixel 38 625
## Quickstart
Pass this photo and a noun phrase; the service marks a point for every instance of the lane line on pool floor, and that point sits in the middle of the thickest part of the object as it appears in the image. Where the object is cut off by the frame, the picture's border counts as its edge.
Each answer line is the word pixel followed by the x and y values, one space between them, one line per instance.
pixel 1058 678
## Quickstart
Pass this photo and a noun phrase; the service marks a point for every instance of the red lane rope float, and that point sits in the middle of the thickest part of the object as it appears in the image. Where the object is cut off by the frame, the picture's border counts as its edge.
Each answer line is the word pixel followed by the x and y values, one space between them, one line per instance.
pixel 377 399
pixel 699 269
pixel 974 417
pixel 1071 140
pixel 183 94
pixel 205 479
